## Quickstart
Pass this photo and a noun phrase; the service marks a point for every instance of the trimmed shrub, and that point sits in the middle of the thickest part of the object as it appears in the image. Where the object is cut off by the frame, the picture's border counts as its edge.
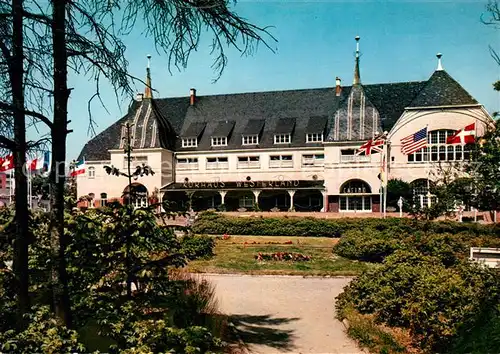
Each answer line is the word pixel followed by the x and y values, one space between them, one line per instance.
pixel 218 224
pixel 417 292
pixel 197 246
pixel 368 245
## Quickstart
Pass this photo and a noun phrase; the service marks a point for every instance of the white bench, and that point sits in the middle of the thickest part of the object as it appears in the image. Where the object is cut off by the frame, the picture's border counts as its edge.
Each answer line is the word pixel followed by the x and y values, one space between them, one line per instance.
pixel 488 256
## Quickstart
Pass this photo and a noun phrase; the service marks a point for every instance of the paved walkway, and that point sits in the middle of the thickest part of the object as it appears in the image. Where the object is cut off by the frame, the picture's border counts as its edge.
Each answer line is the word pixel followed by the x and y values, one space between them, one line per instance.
pixel 275 314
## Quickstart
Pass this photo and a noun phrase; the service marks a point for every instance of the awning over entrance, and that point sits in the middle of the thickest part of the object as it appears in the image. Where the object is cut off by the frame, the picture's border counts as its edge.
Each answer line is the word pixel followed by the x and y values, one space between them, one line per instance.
pixel 263 185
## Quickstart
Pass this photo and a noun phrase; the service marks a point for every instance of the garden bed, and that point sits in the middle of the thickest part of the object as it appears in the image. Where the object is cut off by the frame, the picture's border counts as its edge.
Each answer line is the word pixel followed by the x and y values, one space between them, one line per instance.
pixel 237 254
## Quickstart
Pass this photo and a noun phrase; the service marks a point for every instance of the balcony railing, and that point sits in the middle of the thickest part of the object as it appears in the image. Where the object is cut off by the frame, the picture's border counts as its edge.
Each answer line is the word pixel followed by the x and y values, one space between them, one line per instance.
pixel 355 158
pixel 217 165
pixel 312 163
pixel 187 166
pixel 280 163
pixel 248 164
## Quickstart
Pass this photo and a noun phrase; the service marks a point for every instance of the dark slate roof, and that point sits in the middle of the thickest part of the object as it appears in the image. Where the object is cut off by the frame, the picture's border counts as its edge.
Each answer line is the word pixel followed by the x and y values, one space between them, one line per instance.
pixel 224 128
pixel 261 112
pixel 285 126
pixel 194 129
pixel 316 124
pixel 442 90
pixel 254 126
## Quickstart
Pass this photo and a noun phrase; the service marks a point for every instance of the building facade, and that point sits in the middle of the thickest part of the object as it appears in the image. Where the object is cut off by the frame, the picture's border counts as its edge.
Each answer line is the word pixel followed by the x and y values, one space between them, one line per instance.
pixel 286 150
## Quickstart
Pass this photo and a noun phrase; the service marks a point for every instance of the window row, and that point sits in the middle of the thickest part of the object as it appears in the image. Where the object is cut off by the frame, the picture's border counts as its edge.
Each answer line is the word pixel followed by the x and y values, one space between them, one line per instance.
pixel 253 139
pixel 438 150
pixel 275 161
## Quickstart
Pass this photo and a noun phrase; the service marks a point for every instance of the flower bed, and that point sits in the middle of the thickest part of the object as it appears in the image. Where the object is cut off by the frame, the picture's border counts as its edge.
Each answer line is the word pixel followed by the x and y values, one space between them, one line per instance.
pixel 267 243
pixel 282 256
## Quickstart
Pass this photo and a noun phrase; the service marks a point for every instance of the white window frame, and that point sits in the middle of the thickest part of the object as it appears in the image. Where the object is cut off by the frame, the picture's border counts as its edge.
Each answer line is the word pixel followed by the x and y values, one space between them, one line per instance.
pixel 282 138
pixel 249 163
pixel 313 160
pixel 135 161
pixel 187 163
pixel 314 137
pixel 365 201
pixel 189 142
pixel 252 139
pixel 219 141
pixel 217 164
pixel 281 162
pixel 438 150
pixel 91 172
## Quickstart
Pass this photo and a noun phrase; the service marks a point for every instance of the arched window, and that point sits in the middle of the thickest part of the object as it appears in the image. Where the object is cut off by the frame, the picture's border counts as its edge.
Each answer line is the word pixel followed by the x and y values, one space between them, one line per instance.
pixel 438 150
pixel 91 172
pixel 355 195
pixel 104 199
pixel 138 195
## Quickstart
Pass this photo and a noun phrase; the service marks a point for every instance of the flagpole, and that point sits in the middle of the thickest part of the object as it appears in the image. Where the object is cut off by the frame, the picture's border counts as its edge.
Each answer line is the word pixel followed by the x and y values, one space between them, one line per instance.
pixel 381 186
pixel 385 175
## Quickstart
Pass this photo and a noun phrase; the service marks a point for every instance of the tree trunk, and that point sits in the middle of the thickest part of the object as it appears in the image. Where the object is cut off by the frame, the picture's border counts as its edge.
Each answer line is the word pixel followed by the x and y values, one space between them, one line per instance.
pixel 62 304
pixel 21 190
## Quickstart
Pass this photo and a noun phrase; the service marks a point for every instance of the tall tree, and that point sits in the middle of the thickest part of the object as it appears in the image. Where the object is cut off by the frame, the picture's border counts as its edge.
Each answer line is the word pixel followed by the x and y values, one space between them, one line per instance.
pixel 86 38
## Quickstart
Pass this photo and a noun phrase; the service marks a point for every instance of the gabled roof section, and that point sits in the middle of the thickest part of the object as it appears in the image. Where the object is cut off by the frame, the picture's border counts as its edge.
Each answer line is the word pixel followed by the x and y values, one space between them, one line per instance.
pixel 194 130
pixel 285 126
pixel 316 125
pixel 254 127
pixel 223 129
pixel 442 90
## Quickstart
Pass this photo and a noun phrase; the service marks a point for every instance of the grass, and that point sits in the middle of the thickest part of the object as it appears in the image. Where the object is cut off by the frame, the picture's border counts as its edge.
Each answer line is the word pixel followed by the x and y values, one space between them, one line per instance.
pixel 234 256
pixel 378 338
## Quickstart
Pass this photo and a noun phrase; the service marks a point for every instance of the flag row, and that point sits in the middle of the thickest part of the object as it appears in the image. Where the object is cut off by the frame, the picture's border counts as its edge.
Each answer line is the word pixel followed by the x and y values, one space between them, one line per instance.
pixel 418 140
pixel 41 162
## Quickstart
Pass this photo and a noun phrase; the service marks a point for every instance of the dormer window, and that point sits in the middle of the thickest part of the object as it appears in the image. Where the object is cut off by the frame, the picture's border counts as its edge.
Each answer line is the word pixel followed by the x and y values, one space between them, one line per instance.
pixel 315 130
pixel 219 141
pixel 189 142
pixel 282 138
pixel 284 130
pixel 250 140
pixel 314 138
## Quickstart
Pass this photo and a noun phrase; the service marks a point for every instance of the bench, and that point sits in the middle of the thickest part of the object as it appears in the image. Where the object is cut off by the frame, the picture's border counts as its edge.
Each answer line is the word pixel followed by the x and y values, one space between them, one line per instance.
pixel 488 256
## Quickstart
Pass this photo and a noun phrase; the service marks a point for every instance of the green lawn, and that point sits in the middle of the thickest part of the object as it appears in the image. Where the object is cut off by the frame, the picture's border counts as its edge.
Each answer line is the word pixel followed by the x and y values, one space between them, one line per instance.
pixel 234 256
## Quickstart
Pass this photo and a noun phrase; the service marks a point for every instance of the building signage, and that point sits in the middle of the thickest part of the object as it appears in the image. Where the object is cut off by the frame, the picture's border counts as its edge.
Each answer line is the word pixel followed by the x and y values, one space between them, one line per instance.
pixel 245 184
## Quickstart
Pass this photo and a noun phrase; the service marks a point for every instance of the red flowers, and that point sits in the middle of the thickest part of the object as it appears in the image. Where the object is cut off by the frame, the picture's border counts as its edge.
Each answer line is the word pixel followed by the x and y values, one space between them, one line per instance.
pixel 282 256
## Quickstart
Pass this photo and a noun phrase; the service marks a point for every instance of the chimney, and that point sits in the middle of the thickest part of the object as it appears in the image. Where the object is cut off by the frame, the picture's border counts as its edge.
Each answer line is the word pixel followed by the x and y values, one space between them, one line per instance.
pixel 139 96
pixel 338 88
pixel 192 94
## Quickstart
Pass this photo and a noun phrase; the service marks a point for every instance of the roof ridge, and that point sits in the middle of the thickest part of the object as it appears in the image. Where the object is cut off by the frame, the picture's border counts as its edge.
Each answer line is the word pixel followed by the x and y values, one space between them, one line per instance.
pixel 288 90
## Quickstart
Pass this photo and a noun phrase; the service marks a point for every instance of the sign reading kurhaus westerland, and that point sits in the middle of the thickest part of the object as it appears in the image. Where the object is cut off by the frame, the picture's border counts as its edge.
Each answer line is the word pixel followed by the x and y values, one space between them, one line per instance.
pixel 247 184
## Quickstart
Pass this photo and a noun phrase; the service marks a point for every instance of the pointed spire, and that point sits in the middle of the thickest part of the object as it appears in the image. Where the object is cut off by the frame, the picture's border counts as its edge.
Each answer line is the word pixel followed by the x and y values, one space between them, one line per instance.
pixel 357 77
pixel 148 93
pixel 440 67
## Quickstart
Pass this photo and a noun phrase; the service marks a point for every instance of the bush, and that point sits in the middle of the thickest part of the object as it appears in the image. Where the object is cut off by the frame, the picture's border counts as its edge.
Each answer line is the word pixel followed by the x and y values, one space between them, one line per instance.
pixel 368 245
pixel 43 335
pixel 417 292
pixel 198 246
pixel 217 224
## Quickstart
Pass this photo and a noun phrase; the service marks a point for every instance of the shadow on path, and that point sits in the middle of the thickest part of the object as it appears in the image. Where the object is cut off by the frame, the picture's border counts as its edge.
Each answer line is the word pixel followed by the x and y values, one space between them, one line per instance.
pixel 260 330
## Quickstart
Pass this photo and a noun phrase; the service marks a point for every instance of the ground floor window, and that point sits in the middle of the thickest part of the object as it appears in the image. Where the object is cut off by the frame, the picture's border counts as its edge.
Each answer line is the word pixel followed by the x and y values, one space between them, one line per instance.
pixel 355 203
pixel 246 201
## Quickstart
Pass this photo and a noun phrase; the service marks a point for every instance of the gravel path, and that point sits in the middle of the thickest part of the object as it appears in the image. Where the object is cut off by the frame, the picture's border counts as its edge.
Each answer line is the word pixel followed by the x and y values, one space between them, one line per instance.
pixel 284 314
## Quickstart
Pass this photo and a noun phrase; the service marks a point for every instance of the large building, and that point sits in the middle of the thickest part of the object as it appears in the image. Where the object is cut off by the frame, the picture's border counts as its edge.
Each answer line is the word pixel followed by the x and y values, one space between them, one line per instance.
pixel 291 150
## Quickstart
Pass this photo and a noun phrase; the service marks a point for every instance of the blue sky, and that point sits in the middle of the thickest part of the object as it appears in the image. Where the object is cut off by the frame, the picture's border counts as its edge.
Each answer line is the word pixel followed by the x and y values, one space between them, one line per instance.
pixel 399 41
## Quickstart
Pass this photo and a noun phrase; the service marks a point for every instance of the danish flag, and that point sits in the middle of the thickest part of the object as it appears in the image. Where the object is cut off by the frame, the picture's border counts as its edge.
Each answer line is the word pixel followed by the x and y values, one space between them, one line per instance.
pixel 463 136
pixel 6 163
pixel 370 146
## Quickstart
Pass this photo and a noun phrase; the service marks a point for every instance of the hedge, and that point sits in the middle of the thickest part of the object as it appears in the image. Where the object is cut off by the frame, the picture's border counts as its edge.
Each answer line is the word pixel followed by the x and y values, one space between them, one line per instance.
pixel 218 224
pixel 438 305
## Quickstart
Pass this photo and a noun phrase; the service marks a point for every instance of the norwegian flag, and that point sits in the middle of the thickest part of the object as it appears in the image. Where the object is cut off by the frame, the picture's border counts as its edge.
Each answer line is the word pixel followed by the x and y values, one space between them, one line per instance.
pixel 371 146
pixel 463 136
pixel 6 163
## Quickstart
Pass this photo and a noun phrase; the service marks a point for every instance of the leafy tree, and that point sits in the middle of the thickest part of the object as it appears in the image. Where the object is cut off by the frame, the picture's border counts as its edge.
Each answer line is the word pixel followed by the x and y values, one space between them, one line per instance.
pixel 397 188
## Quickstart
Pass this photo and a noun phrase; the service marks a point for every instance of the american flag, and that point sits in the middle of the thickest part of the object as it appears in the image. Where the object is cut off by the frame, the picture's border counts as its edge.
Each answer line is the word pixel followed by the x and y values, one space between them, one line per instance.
pixel 414 142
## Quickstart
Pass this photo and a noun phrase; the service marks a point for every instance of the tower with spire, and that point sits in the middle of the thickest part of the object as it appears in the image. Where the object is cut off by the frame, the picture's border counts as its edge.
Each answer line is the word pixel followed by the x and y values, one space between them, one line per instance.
pixel 357 119
pixel 148 92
